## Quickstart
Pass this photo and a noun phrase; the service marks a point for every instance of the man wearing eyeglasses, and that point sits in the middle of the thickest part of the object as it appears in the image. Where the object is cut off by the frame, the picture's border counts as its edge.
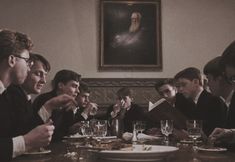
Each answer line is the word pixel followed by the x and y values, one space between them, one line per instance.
pixel 14 66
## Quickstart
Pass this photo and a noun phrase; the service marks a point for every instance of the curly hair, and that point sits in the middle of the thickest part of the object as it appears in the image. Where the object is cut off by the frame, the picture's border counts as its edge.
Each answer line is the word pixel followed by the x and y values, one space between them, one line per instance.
pixel 13 43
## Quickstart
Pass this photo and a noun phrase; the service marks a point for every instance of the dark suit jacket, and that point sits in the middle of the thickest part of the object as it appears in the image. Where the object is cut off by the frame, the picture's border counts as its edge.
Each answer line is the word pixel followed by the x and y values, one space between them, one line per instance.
pixel 231 113
pixel 211 110
pixel 6 149
pixel 16 116
pixel 62 119
pixel 6 144
pixel 25 118
pixel 133 114
pixel 184 105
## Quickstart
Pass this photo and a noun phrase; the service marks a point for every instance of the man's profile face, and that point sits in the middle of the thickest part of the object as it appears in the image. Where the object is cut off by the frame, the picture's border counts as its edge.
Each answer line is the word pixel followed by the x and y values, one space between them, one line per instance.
pixel 21 68
pixel 70 88
pixel 83 99
pixel 187 87
pixel 36 78
pixel 167 91
pixel 214 84
pixel 230 74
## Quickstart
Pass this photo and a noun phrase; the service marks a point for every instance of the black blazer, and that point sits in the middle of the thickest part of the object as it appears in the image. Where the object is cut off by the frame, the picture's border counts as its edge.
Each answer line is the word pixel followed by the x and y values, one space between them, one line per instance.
pixel 230 123
pixel 6 144
pixel 211 110
pixel 133 114
pixel 17 118
pixel 6 149
pixel 62 119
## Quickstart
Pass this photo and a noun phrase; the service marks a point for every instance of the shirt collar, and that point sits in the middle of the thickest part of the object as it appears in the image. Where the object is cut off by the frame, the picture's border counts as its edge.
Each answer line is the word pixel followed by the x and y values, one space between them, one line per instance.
pixel 229 98
pixel 197 96
pixel 2 87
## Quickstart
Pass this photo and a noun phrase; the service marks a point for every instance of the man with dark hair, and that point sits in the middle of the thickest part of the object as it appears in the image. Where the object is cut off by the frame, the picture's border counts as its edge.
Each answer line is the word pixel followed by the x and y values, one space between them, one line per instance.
pixel 65 83
pixel 86 109
pixel 126 110
pixel 206 107
pixel 14 66
pixel 166 89
pixel 227 65
pixel 217 83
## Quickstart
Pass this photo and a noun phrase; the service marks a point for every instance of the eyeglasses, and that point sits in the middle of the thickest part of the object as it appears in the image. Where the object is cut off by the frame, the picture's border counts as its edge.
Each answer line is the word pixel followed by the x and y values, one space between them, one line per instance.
pixel 27 60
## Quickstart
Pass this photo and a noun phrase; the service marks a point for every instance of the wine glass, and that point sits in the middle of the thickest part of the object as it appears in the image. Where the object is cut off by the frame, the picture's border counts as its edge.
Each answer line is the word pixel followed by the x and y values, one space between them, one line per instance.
pixel 167 129
pixel 194 128
pixel 140 126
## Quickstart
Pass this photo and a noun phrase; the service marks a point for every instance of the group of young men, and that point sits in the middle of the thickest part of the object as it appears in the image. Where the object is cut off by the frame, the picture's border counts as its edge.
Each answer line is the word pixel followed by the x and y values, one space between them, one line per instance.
pixel 27 125
pixel 187 93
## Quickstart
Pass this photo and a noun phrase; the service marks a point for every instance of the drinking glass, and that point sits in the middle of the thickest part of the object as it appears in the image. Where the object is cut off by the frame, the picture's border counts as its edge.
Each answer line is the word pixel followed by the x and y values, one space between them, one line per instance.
pixel 167 129
pixel 86 129
pixel 101 128
pixel 140 126
pixel 194 128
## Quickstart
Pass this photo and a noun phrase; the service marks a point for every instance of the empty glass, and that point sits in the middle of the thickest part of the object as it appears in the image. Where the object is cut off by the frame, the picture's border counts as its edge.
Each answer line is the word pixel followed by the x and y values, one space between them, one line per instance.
pixel 140 126
pixel 100 129
pixel 167 129
pixel 116 127
pixel 194 128
pixel 86 129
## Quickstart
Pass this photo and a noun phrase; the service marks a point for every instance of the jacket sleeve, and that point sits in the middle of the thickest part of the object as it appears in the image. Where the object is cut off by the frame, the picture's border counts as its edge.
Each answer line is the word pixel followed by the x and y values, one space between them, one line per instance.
pixel 6 149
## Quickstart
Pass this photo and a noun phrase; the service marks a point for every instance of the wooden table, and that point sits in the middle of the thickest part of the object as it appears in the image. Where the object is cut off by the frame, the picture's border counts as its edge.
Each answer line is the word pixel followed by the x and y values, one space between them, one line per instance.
pixel 185 154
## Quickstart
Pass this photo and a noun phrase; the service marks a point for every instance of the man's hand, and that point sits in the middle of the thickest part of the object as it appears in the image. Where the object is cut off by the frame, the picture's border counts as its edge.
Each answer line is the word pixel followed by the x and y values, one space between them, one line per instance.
pixel 39 136
pixel 91 109
pixel 61 101
pixel 221 135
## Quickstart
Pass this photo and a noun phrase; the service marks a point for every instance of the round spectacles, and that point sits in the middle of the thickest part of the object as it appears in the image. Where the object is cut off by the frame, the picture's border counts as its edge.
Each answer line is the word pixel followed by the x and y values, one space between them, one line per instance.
pixel 27 60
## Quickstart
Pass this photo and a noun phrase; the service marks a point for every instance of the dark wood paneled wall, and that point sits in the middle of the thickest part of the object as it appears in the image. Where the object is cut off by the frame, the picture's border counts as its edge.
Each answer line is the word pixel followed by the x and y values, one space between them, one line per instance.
pixel 103 90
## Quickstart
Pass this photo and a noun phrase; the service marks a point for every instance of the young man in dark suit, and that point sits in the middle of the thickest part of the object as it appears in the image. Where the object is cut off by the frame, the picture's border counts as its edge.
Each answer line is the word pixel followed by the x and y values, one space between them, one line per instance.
pixel 227 64
pixel 66 85
pixel 125 110
pixel 218 85
pixel 206 107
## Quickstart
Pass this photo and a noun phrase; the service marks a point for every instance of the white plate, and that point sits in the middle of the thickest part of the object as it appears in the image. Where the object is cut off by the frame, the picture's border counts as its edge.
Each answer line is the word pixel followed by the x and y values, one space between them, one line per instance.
pixel 106 137
pixel 76 136
pixel 38 152
pixel 147 137
pixel 189 141
pixel 155 152
pixel 215 149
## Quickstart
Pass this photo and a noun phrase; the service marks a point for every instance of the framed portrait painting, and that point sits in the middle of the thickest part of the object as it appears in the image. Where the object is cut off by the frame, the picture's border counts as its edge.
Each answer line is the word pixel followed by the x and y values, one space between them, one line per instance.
pixel 130 35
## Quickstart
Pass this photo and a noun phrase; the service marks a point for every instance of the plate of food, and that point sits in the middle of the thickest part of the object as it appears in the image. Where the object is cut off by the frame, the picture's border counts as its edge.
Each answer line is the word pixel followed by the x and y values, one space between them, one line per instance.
pixel 211 149
pixel 40 151
pixel 189 141
pixel 138 153
pixel 75 136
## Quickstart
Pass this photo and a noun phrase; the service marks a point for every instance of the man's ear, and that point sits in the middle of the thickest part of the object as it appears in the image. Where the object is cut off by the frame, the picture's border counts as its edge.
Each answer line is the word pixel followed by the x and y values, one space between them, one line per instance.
pixel 60 85
pixel 11 61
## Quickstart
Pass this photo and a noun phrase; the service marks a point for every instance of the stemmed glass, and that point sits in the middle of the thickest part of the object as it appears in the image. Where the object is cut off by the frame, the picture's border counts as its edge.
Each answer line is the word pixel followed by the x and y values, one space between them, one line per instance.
pixel 140 126
pixel 167 129
pixel 194 128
